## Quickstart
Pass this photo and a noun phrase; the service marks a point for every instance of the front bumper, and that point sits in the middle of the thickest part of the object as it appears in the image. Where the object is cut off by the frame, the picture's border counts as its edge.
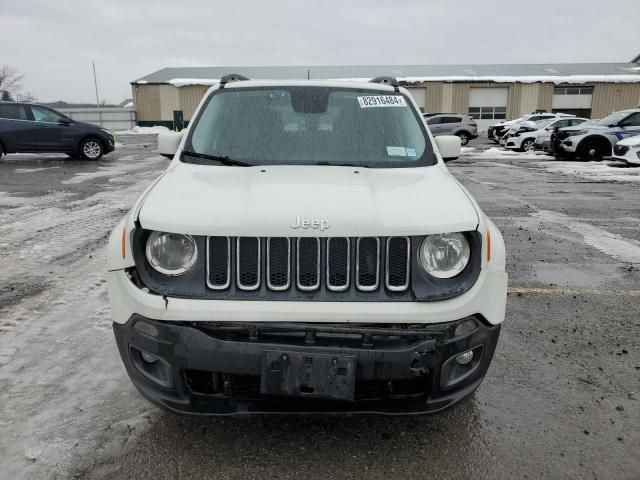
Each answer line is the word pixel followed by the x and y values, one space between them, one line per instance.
pixel 109 144
pixel 218 368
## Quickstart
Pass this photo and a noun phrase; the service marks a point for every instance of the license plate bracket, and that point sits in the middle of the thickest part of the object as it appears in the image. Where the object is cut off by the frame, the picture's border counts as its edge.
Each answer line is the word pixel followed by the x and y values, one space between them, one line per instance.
pixel 308 375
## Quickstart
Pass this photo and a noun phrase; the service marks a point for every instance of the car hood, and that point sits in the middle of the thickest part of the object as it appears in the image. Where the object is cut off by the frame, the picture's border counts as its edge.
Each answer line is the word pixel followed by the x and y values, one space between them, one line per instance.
pixel 631 141
pixel 266 201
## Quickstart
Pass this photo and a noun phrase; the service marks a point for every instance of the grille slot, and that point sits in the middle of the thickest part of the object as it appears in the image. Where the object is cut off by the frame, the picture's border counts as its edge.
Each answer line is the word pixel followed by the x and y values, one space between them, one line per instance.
pixel 219 263
pixel 278 263
pixel 329 266
pixel 308 263
pixel 338 264
pixel 248 262
pixel 398 257
pixel 368 263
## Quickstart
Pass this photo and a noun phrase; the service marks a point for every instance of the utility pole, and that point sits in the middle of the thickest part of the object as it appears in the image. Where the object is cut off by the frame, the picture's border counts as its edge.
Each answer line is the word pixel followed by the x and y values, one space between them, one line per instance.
pixel 95 83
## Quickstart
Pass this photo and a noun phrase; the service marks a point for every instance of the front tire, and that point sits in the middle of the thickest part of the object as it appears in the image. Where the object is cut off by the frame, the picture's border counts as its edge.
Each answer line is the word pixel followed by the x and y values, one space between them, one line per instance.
pixel 464 137
pixel 91 149
pixel 527 145
pixel 592 151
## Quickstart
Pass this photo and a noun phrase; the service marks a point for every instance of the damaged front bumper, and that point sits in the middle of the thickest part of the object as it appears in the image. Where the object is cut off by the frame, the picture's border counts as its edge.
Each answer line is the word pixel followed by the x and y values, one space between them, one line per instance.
pixel 226 368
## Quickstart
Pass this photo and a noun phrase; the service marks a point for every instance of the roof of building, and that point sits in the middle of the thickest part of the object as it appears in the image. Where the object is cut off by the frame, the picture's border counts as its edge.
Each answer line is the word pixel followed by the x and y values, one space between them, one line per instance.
pixel 525 73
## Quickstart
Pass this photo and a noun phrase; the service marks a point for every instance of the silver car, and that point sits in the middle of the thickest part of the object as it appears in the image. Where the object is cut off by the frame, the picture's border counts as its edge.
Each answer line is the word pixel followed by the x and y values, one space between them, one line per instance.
pixel 463 126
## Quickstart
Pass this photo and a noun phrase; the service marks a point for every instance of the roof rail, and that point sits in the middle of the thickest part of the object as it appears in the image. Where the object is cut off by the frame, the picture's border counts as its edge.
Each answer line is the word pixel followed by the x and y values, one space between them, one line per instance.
pixel 232 77
pixel 385 80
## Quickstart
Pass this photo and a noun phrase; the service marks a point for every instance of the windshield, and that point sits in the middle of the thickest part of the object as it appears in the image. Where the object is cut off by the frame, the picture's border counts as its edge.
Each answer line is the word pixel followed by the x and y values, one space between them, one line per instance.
pixel 311 126
pixel 612 119
pixel 540 124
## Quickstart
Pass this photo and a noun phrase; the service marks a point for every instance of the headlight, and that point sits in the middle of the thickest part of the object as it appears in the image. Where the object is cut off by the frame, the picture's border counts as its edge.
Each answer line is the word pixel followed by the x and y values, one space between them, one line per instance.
pixel 171 253
pixel 582 132
pixel 444 255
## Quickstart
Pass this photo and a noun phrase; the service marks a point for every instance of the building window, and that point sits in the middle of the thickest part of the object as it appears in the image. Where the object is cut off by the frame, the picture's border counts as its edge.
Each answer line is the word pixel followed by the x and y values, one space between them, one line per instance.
pixel 488 113
pixel 573 91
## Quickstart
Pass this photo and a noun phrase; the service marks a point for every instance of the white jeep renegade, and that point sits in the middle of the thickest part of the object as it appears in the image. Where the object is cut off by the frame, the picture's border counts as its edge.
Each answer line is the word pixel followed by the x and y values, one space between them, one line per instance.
pixel 307 250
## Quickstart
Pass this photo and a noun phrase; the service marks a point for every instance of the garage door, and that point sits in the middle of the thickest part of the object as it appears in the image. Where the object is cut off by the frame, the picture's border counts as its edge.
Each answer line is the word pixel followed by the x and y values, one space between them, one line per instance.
pixel 488 105
pixel 420 96
pixel 575 100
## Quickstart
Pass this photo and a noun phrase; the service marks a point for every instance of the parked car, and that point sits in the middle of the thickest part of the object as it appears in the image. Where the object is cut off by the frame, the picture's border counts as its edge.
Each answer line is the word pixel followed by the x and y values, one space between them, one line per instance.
pixel 596 141
pixel 463 126
pixel 628 150
pixel 523 137
pixel 26 128
pixel 548 141
pixel 320 259
pixel 497 131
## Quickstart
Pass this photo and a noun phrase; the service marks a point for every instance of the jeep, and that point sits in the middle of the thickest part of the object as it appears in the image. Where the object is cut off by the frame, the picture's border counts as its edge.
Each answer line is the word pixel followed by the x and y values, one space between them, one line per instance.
pixel 306 251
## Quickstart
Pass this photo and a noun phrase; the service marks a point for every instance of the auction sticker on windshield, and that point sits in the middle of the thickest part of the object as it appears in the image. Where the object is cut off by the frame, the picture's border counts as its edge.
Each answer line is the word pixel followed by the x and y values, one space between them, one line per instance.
pixel 382 101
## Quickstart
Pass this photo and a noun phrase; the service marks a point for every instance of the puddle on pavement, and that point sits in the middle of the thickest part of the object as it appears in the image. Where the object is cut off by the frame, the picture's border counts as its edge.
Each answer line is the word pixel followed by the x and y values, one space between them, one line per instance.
pixel 567 276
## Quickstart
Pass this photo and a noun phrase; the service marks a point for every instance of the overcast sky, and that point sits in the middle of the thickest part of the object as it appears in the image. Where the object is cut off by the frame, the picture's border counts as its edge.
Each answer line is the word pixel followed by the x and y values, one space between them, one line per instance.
pixel 52 43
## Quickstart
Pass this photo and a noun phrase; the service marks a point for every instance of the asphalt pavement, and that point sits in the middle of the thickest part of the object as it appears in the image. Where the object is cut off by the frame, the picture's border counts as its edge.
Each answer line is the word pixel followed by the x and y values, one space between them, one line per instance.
pixel 561 399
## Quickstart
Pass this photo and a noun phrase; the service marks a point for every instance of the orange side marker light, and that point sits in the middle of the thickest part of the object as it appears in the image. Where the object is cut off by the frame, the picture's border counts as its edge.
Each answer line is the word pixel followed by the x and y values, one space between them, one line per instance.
pixel 124 244
pixel 488 245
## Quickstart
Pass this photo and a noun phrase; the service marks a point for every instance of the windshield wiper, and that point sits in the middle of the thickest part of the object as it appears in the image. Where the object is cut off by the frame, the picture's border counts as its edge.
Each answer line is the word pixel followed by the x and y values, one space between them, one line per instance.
pixel 359 165
pixel 224 160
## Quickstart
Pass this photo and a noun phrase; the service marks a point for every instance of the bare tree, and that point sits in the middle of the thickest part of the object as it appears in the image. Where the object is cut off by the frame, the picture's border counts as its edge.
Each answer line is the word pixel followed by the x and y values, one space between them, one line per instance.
pixel 9 82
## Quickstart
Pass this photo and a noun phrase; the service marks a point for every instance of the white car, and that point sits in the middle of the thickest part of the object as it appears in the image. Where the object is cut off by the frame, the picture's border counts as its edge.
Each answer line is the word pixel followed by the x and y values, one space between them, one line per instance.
pixel 597 140
pixel 523 137
pixel 306 250
pixel 628 150
pixel 497 131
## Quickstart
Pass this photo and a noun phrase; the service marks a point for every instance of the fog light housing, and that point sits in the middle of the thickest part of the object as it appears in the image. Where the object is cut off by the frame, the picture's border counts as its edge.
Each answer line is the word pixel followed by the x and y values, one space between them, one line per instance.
pixel 465 358
pixel 148 358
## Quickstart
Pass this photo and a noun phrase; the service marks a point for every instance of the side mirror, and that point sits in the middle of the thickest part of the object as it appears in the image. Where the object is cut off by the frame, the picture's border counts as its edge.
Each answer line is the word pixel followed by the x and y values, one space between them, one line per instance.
pixel 168 143
pixel 65 121
pixel 449 146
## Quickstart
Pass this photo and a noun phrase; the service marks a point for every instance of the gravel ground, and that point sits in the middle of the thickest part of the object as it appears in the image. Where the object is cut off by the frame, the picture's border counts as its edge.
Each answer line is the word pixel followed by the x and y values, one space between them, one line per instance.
pixel 561 399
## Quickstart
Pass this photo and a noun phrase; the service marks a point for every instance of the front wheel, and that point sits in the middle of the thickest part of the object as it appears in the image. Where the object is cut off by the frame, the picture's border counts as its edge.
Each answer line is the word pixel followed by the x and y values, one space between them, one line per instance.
pixel 592 152
pixel 464 137
pixel 91 149
pixel 528 145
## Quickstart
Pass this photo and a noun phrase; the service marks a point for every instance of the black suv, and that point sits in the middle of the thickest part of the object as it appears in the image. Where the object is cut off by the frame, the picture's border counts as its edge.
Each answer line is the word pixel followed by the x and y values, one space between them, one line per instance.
pixel 26 128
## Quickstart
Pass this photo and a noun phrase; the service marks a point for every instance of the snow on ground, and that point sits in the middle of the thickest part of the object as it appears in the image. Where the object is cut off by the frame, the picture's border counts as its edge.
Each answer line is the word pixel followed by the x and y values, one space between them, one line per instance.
pixel 607 171
pixel 156 129
pixel 55 372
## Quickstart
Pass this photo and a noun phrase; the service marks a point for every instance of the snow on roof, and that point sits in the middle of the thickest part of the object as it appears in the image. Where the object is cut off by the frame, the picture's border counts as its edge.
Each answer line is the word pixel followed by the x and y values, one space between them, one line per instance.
pixel 521 73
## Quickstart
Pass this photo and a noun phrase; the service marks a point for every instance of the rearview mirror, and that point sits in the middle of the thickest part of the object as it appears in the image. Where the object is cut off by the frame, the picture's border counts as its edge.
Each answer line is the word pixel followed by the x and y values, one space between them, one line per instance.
pixel 449 147
pixel 168 143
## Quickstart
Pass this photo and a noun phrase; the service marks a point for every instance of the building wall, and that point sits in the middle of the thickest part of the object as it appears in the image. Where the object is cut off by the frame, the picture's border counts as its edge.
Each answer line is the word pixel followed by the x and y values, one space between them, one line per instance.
pixel 609 97
pixel 156 103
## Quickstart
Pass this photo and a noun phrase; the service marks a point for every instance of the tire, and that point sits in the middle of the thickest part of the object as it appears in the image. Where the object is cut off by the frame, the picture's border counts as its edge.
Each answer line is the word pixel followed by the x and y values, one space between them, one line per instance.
pixel 592 151
pixel 527 145
pixel 90 149
pixel 464 137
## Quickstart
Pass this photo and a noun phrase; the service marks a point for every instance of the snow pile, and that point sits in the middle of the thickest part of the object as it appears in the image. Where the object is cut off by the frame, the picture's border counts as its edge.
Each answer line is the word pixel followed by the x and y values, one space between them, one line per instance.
pixel 156 129
pixel 611 171
pixel 497 152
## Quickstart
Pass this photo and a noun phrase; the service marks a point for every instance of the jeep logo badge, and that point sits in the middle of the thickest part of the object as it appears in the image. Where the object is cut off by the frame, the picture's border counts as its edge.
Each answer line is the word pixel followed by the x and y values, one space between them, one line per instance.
pixel 317 224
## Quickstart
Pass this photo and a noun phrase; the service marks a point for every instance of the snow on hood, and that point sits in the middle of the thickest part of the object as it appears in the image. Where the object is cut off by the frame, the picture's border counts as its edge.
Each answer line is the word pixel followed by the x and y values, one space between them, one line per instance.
pixel 264 201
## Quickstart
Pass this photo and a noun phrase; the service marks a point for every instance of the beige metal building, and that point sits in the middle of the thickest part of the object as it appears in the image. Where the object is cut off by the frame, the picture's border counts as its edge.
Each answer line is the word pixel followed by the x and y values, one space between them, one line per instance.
pixel 490 93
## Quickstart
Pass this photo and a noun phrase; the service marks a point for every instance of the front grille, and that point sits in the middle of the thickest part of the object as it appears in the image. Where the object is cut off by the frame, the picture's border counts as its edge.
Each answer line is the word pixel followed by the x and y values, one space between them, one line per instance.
pixel 621 149
pixel 309 264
